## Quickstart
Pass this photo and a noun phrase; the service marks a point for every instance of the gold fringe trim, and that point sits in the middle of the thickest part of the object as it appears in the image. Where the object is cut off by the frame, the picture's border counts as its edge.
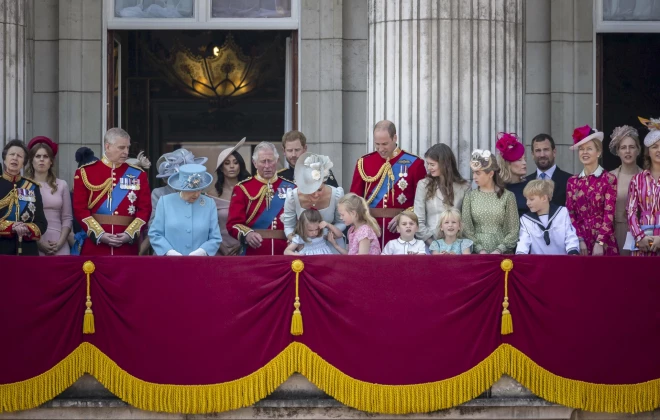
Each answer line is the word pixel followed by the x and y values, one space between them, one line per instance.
pixel 375 398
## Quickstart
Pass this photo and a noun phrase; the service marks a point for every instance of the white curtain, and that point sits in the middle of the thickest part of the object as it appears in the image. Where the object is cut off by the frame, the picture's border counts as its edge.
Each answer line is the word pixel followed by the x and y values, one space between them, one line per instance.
pixel 154 8
pixel 631 10
pixel 251 8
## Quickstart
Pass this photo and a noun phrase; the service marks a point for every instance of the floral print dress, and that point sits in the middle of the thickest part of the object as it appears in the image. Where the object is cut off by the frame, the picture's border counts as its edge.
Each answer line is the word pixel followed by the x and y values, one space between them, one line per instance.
pixel 591 203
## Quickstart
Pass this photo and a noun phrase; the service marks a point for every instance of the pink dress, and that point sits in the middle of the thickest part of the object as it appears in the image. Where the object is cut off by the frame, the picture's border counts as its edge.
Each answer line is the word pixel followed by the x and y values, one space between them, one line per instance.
pixel 644 208
pixel 356 235
pixel 59 213
pixel 591 203
pixel 229 244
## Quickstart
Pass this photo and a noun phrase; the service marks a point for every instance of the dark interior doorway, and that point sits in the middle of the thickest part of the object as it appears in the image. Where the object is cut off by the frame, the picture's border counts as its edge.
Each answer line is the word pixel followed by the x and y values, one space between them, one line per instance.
pixel 202 90
pixel 628 84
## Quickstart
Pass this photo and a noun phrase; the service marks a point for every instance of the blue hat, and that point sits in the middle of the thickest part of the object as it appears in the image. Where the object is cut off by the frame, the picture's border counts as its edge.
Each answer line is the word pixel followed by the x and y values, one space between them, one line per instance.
pixel 191 177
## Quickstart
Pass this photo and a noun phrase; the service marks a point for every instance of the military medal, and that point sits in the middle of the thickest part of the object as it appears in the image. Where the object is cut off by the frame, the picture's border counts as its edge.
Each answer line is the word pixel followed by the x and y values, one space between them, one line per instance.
pixel 403 184
pixel 25 217
pixel 32 207
pixel 131 209
pixel 402 198
pixel 281 193
pixel 132 197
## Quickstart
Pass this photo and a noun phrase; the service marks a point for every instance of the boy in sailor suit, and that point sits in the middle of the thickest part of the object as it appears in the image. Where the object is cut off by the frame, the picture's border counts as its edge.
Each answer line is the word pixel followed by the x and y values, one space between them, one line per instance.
pixel 546 229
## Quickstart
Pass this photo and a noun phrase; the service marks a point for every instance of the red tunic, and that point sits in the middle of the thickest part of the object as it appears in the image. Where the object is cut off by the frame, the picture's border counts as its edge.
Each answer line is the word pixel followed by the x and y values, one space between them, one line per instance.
pixel 93 184
pixel 248 201
pixel 371 169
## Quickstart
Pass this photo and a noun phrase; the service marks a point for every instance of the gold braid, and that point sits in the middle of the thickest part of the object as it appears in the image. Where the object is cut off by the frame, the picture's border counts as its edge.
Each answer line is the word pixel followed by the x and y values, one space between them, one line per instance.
pixel 260 195
pixel 105 188
pixel 385 171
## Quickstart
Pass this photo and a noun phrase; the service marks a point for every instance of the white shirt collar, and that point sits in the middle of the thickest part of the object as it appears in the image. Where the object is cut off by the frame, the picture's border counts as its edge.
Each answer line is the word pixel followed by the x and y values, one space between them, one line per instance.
pixel 598 172
pixel 549 172
pixel 402 242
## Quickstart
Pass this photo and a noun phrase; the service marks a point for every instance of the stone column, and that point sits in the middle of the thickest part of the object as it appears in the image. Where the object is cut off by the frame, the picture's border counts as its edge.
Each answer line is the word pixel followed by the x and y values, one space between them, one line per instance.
pixel 446 71
pixel 12 69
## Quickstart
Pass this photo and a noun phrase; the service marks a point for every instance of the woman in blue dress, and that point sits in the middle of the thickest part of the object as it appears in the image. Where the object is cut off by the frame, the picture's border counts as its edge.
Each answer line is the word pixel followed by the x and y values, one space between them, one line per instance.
pixel 186 223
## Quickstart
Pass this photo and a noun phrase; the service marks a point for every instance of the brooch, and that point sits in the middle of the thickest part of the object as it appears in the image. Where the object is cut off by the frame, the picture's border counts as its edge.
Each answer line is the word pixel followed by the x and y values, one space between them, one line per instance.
pixel 402 198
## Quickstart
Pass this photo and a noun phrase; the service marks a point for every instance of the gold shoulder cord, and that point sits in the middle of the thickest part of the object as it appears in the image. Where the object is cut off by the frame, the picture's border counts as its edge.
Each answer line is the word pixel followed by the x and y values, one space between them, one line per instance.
pixel 105 188
pixel 8 201
pixel 260 196
pixel 383 172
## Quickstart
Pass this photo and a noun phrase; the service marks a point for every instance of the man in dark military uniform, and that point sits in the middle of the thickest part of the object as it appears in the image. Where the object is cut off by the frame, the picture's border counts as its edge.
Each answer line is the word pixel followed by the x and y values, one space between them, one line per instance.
pixel 294 144
pixel 22 218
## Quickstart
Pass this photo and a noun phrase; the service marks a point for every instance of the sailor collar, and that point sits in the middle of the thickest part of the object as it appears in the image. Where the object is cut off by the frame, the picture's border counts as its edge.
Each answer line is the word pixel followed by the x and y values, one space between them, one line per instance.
pixel 552 213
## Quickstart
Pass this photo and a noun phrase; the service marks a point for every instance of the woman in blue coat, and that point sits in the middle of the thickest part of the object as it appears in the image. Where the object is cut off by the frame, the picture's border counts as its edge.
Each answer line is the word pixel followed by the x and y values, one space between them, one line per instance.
pixel 186 223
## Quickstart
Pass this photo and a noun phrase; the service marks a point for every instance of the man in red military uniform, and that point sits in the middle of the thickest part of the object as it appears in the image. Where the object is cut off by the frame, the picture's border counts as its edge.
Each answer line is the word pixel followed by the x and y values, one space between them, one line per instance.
pixel 111 199
pixel 387 178
pixel 256 205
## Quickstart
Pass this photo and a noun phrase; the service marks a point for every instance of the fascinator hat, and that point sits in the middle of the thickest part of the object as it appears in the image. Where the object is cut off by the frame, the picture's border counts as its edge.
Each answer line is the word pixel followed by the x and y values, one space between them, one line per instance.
pixel 653 124
pixel 169 163
pixel 483 160
pixel 509 146
pixel 228 151
pixel 585 134
pixel 313 172
pixel 45 140
pixel 621 133
pixel 190 177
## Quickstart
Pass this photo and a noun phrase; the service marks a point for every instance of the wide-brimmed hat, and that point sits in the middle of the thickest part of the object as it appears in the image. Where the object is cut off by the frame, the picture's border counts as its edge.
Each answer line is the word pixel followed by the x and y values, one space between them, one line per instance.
pixel 169 163
pixel 228 151
pixel 45 140
pixel 312 172
pixel 653 125
pixel 509 146
pixel 483 160
pixel 190 177
pixel 585 134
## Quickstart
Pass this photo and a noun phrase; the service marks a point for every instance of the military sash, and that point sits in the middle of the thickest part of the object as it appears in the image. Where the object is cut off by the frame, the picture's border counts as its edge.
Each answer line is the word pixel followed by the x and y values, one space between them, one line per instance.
pixel 120 191
pixel 276 204
pixel 397 171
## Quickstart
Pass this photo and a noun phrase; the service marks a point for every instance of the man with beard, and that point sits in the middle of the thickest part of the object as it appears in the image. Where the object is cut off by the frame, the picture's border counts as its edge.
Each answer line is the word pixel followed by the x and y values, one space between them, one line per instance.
pixel 294 144
pixel 544 153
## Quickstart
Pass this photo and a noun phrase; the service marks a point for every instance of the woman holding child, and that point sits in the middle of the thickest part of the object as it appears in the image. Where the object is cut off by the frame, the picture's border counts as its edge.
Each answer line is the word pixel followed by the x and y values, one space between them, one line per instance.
pixel 490 214
pixel 311 192
pixel 591 196
pixel 442 189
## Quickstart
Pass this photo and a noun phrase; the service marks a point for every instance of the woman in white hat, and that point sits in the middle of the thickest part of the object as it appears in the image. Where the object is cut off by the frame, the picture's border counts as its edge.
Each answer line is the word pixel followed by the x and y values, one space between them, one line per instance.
pixel 591 196
pixel 644 196
pixel 186 223
pixel 230 170
pixel 312 192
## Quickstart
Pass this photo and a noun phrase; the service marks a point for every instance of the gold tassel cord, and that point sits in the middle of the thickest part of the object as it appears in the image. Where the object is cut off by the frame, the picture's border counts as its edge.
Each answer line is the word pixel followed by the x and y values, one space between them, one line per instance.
pixel 365 396
pixel 296 320
pixel 507 321
pixel 88 321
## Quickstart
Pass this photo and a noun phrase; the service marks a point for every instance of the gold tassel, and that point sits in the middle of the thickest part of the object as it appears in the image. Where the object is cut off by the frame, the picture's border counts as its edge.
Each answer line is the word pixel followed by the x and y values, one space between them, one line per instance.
pixel 507 322
pixel 88 321
pixel 296 321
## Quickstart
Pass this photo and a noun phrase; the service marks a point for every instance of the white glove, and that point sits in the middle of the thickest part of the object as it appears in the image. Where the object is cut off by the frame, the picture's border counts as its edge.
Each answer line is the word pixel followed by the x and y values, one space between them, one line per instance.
pixel 173 253
pixel 199 252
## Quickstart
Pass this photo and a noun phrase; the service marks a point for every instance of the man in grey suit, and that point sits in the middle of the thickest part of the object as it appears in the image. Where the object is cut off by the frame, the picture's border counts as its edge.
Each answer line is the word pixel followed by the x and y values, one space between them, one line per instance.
pixel 544 153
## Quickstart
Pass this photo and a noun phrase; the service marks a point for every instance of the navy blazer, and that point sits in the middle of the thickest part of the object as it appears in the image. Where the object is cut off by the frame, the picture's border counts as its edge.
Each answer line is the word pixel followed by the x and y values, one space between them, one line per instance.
pixel 561 179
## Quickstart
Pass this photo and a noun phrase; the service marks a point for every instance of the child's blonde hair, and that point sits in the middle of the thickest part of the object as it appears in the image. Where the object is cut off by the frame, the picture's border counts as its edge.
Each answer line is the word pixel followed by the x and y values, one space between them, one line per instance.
pixel 353 202
pixel 539 187
pixel 307 216
pixel 451 212
pixel 410 215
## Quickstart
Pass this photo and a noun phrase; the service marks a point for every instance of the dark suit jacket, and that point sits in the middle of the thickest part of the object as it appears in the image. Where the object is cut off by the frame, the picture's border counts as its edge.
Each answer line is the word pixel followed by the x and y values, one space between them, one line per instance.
pixel 287 173
pixel 561 179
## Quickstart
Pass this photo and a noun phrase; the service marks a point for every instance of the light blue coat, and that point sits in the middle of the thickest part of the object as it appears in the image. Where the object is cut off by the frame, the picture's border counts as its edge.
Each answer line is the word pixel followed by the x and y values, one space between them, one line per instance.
pixel 185 227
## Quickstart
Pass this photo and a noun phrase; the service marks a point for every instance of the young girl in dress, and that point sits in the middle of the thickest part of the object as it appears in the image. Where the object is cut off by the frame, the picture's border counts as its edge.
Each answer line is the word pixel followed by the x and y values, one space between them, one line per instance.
pixel 308 235
pixel 449 235
pixel 364 231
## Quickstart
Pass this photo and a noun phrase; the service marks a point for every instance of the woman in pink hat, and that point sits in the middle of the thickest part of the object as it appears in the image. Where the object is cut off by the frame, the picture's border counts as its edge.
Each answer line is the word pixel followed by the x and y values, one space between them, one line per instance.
pixel 513 167
pixel 591 196
pixel 54 194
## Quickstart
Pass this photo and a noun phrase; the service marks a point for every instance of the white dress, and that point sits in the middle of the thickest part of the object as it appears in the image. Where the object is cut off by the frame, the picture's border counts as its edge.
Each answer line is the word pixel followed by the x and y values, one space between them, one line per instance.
pixel 315 246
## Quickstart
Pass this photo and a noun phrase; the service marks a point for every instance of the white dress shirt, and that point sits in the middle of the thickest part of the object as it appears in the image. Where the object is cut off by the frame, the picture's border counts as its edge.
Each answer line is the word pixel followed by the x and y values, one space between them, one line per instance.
pixel 548 173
